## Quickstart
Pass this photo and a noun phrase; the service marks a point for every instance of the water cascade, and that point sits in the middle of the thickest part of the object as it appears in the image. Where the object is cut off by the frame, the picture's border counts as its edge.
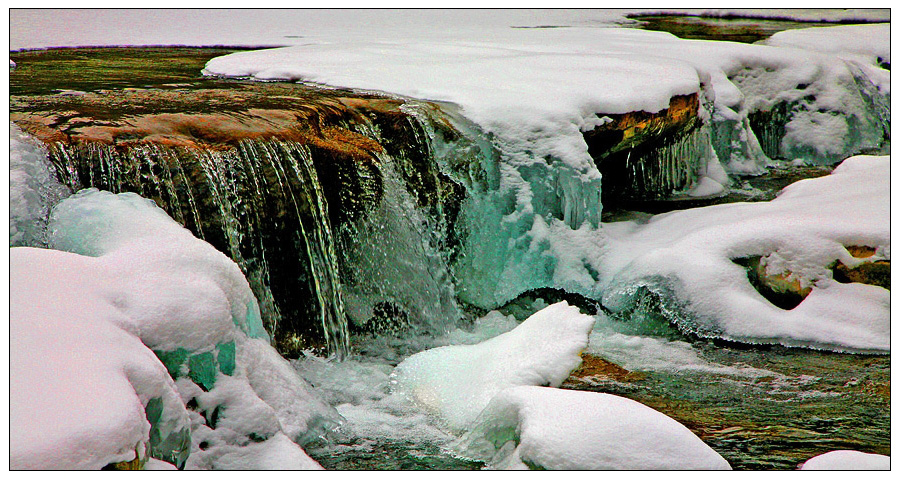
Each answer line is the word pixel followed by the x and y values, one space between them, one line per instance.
pixel 258 201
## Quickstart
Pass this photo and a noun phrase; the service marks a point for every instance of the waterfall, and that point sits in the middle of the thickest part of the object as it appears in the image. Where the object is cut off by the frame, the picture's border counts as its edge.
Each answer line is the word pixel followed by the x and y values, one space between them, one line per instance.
pixel 261 202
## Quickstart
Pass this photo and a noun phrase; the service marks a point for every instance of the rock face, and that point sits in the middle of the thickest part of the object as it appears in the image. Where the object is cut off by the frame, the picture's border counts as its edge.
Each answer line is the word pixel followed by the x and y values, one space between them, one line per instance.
pixel 275 176
pixel 638 153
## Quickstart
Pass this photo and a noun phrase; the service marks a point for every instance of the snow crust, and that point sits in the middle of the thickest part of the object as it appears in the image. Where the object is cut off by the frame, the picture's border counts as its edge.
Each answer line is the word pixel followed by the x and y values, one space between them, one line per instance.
pixel 537 427
pixel 457 382
pixel 847 461
pixel 687 255
pixel 133 282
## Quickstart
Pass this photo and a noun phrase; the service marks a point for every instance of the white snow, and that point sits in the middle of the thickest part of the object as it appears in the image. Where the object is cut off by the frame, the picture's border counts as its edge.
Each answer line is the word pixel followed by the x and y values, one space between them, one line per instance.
pixel 847 461
pixel 78 382
pixel 133 282
pixel 866 43
pixel 457 382
pixel 32 28
pixel 690 253
pixel 168 271
pixel 556 429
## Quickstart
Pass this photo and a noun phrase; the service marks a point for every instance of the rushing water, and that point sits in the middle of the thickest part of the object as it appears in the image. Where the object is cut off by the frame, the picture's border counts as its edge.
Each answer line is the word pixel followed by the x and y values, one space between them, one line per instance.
pixel 383 285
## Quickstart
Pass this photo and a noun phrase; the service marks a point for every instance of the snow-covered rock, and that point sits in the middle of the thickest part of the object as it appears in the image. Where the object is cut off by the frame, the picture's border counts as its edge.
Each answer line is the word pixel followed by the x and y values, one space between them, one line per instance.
pixel 688 257
pixel 79 383
pixel 132 282
pixel 457 382
pixel 530 427
pixel 847 461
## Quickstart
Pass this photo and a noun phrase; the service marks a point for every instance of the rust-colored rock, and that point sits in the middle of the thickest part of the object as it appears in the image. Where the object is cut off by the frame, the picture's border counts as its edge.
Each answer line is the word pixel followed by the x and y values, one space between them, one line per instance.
pixel 599 369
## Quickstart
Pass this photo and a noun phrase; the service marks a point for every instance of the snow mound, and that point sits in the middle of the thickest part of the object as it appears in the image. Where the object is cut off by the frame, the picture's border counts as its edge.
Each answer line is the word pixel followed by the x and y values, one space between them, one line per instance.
pixel 158 305
pixel 79 385
pixel 531 427
pixel 457 382
pixel 689 257
pixel 847 461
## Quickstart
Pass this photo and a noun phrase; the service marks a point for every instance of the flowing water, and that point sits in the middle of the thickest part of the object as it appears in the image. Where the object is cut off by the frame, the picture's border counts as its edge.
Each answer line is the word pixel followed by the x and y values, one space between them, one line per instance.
pixel 379 286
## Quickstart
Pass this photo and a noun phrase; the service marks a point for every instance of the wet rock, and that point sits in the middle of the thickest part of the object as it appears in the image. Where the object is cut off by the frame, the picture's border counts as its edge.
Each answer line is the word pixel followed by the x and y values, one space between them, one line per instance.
pixel 598 369
pixel 784 289
pixel 876 272
pixel 630 151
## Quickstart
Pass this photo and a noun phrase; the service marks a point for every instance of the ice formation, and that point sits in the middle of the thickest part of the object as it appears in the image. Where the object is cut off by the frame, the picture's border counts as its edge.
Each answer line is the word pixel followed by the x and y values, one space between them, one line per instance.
pixel 456 382
pixel 688 256
pixel 757 103
pixel 847 461
pixel 131 282
pixel 529 427
pixel 33 189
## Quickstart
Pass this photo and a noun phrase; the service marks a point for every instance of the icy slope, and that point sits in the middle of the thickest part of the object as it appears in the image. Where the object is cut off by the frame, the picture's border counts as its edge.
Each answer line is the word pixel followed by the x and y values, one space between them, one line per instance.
pixel 530 427
pixel 33 189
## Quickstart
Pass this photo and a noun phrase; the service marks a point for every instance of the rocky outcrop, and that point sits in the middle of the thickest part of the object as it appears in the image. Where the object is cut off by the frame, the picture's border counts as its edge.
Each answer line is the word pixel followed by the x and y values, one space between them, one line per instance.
pixel 641 155
pixel 874 270
pixel 595 368
pixel 274 175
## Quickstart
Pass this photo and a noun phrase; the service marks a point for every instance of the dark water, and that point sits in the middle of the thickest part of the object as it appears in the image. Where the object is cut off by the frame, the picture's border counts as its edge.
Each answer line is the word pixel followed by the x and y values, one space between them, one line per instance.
pixel 800 404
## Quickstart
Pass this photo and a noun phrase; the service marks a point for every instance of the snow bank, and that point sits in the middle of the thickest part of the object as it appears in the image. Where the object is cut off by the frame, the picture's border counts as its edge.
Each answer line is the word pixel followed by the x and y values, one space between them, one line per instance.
pixel 865 43
pixel 687 257
pixel 33 190
pixel 32 28
pixel 530 427
pixel 169 270
pixel 457 382
pixel 134 282
pixel 847 461
pixel 79 385
pixel 552 82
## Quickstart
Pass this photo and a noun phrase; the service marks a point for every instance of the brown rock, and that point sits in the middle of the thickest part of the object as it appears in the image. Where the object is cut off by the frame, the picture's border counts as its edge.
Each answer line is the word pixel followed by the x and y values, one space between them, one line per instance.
pixel 597 368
